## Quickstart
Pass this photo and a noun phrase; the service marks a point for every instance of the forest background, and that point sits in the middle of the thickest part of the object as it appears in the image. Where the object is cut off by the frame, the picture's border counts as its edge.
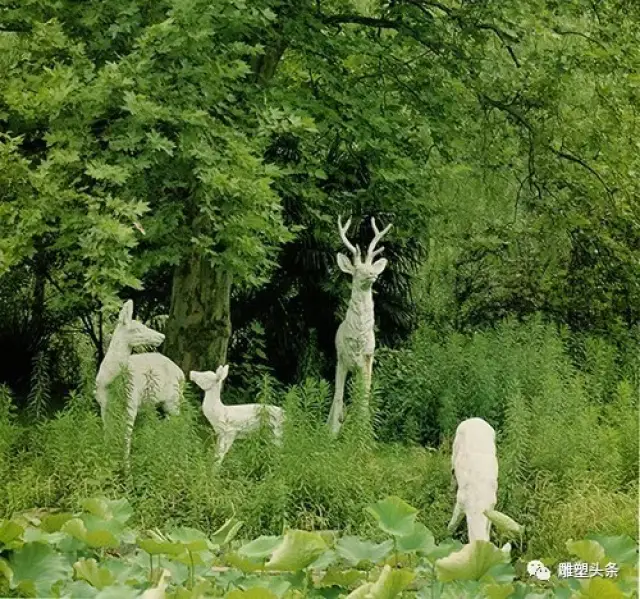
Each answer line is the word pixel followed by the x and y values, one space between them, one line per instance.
pixel 194 157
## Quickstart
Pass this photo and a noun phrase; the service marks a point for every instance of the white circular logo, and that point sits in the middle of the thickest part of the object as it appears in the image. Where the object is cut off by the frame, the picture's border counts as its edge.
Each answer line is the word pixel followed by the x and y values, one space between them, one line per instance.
pixel 538 569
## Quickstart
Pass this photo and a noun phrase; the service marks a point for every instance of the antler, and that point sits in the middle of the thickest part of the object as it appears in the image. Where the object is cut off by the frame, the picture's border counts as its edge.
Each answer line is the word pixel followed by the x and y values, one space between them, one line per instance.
pixel 355 250
pixel 371 254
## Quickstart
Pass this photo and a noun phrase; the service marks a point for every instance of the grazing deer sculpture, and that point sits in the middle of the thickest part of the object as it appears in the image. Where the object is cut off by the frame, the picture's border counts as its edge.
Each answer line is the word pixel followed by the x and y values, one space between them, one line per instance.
pixel 231 422
pixel 355 339
pixel 475 465
pixel 153 376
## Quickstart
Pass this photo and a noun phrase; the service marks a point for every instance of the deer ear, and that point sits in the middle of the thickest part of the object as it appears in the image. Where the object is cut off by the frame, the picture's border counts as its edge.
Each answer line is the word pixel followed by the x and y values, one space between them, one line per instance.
pixel 225 371
pixel 345 264
pixel 126 314
pixel 379 266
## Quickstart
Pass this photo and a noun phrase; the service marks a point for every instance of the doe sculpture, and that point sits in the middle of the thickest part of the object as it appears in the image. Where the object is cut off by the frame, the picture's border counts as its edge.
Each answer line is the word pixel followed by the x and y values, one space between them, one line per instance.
pixel 475 466
pixel 153 377
pixel 355 338
pixel 231 422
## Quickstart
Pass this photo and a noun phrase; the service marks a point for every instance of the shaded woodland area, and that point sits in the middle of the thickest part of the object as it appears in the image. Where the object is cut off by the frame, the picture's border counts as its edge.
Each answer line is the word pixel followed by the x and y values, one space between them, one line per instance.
pixel 500 139
pixel 194 156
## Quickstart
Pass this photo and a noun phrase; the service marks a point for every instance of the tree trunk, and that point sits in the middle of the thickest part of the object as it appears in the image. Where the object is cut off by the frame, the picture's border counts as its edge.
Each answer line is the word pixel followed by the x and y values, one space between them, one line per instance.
pixel 199 324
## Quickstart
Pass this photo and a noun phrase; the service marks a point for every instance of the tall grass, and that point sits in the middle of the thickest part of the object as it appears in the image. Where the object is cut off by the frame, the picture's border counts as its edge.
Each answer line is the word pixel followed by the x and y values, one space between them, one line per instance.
pixel 567 446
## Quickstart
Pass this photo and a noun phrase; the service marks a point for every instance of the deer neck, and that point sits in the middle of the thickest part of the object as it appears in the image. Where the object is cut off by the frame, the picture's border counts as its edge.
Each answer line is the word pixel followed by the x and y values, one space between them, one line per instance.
pixel 212 406
pixel 360 310
pixel 117 356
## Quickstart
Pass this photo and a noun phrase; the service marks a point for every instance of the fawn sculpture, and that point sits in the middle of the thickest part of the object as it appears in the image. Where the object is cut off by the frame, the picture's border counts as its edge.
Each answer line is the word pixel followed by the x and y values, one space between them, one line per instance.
pixel 153 376
pixel 355 339
pixel 231 422
pixel 475 465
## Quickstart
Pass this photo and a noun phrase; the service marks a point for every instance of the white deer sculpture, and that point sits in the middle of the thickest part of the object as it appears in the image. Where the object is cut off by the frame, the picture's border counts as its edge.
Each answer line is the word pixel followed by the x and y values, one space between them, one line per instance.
pixel 153 376
pixel 231 422
pixel 475 465
pixel 355 339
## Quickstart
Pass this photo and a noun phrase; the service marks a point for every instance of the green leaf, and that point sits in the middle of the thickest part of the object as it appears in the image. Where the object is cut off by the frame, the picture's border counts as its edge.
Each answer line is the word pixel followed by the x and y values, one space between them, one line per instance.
pixel 244 564
pixel 362 592
pixel 421 540
pixel 394 516
pixel 275 584
pixel 36 568
pixel 98 506
pixel 498 591
pixel 390 583
pixel 599 588
pixel 119 591
pixel 101 539
pixel 75 528
pixel 444 549
pixel 252 593
pixel 588 551
pixel 191 538
pixel 341 578
pixel 355 550
pixel 9 531
pixel 298 550
pixel 108 509
pixel 88 569
pixel 5 570
pixel 324 560
pixel 620 549
pixel 472 562
pixel 79 589
pixel 504 523
pixel 160 547
pixel 227 532
pixel 54 522
pixel 198 558
pixel 261 547
pixel 36 535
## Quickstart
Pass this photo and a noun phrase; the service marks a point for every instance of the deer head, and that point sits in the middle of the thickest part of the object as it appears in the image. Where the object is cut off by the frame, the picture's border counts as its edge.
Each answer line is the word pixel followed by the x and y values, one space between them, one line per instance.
pixel 134 333
pixel 208 379
pixel 364 271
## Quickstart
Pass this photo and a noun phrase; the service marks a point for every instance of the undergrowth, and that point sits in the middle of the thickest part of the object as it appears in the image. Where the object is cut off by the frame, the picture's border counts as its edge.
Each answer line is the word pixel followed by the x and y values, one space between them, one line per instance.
pixel 567 447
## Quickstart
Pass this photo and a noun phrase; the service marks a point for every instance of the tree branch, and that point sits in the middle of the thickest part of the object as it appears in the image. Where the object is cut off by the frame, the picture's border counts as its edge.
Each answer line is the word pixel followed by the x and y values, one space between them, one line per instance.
pixel 356 19
pixel 583 164
pixel 580 34
pixel 484 99
pixel 15 29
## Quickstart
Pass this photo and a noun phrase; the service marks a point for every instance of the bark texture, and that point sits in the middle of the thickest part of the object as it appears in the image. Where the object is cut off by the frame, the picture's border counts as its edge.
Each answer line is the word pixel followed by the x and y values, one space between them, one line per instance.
pixel 199 324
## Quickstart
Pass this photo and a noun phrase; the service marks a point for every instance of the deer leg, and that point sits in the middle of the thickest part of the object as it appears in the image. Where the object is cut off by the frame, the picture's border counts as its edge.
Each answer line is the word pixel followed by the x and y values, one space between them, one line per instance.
pixel 132 413
pixel 456 518
pixel 367 373
pixel 225 441
pixel 172 405
pixel 101 398
pixel 277 432
pixel 336 414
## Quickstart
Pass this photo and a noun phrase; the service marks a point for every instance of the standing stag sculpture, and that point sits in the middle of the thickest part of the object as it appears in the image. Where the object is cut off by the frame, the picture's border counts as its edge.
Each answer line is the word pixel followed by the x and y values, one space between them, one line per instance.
pixel 475 465
pixel 231 422
pixel 153 377
pixel 355 339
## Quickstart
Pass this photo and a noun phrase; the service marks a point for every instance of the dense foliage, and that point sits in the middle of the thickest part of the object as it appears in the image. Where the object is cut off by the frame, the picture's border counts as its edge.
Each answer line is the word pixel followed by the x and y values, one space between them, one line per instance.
pixel 566 445
pixel 500 136
pixel 95 554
